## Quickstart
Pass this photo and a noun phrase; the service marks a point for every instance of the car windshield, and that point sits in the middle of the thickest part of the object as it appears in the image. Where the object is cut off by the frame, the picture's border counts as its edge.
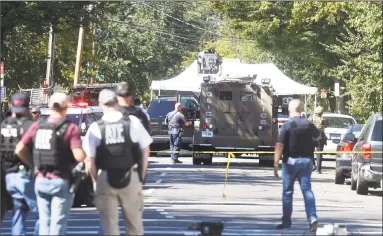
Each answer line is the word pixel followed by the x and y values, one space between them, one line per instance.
pixel 159 108
pixel 338 122
pixel 377 132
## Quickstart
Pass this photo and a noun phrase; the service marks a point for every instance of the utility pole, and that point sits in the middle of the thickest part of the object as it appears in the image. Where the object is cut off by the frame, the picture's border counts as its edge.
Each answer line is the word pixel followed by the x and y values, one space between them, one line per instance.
pixel 48 76
pixel 78 56
pixel 93 54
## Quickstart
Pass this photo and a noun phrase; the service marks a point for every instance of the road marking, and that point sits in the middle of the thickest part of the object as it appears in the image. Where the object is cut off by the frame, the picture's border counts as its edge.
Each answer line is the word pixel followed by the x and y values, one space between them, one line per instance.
pixel 164 213
pixel 248 204
pixel 160 210
pixel 163 174
pixel 148 191
pixel 170 217
pixel 159 181
pixel 168 168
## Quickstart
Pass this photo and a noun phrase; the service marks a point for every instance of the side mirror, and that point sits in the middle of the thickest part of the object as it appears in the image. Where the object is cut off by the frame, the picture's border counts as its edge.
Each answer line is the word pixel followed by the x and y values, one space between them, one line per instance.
pixel 350 137
pixel 336 141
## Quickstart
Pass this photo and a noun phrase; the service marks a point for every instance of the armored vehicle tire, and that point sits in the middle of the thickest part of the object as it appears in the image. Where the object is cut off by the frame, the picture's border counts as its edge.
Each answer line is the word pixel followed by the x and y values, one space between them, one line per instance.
pixel 353 183
pixel 266 162
pixel 361 186
pixel 197 161
pixel 208 161
pixel 339 177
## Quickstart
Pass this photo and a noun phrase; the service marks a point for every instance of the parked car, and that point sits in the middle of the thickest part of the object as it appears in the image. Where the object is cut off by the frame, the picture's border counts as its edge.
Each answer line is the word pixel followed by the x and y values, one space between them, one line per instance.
pixel 336 127
pixel 367 162
pixel 343 160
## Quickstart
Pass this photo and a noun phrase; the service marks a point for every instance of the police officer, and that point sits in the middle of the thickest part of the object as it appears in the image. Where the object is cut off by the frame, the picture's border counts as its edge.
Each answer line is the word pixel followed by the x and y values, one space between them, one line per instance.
pixel 56 151
pixel 113 168
pixel 296 142
pixel 320 123
pixel 125 100
pixel 175 121
pixel 18 179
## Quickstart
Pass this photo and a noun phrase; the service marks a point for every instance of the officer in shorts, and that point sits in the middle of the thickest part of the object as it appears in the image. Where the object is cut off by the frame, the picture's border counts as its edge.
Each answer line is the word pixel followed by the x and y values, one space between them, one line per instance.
pixel 108 145
pixel 18 175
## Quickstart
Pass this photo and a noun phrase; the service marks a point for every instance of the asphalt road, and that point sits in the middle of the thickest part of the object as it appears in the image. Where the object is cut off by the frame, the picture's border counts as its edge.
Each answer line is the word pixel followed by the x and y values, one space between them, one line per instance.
pixel 177 196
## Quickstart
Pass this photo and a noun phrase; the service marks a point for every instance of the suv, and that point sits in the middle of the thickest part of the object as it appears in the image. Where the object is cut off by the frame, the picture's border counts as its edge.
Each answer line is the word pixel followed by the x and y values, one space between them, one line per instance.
pixel 343 157
pixel 159 108
pixel 367 162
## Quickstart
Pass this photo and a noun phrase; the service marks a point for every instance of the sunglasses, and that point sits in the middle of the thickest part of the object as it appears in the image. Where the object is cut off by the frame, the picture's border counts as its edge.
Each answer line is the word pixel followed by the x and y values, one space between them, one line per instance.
pixel 36 112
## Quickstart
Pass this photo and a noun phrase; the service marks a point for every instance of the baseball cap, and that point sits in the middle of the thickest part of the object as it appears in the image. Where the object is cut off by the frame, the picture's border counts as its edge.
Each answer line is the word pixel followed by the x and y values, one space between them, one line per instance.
pixel 20 103
pixel 107 97
pixel 35 109
pixel 124 89
pixel 58 101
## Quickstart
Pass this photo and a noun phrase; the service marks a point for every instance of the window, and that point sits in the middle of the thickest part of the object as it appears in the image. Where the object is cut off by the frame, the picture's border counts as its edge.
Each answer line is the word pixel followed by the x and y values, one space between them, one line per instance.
pixel 245 97
pixel 225 95
pixel 159 108
pixel 338 122
pixel 377 132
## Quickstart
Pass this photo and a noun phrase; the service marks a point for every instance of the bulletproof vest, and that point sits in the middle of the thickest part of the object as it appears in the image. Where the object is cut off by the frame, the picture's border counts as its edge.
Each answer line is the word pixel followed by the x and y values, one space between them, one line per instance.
pixel 11 133
pixel 50 152
pixel 115 150
pixel 318 121
pixel 300 142
pixel 172 120
pixel 134 111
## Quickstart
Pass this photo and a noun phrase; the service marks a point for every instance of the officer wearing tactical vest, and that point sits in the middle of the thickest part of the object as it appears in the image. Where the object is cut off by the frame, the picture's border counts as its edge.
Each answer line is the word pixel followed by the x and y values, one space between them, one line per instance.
pixel 320 123
pixel 175 121
pixel 125 100
pixel 113 167
pixel 56 151
pixel 296 142
pixel 18 179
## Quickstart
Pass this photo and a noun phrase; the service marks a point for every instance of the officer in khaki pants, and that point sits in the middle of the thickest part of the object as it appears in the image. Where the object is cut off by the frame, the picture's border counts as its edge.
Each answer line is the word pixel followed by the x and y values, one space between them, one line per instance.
pixel 113 167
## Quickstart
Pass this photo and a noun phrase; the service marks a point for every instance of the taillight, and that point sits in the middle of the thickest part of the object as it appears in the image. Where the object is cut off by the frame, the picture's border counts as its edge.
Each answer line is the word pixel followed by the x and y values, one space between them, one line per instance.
pixel 347 148
pixel 366 150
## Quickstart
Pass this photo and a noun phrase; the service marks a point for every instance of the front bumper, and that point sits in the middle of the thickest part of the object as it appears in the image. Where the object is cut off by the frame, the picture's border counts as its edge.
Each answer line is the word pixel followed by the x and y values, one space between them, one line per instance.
pixel 370 175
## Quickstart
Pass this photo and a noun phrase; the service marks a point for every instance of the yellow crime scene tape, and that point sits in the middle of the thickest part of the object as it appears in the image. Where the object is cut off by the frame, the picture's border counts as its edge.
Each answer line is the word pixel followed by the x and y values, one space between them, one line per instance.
pixel 232 155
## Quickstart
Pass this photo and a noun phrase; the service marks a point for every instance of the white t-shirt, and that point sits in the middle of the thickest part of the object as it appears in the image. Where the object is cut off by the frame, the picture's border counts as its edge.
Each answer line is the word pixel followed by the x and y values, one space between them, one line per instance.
pixel 138 133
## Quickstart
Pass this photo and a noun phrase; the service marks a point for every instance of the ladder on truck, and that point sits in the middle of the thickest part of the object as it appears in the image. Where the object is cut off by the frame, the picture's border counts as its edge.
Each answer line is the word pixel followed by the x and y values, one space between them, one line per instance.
pixel 38 96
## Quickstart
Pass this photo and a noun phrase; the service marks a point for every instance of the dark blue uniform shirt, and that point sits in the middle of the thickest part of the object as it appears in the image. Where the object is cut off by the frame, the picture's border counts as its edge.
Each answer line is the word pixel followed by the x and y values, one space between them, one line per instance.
pixel 299 137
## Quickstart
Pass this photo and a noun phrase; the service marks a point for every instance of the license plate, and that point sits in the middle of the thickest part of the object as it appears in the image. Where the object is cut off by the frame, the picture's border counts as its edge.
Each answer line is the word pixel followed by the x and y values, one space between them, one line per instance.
pixel 334 136
pixel 202 155
pixel 266 157
pixel 207 133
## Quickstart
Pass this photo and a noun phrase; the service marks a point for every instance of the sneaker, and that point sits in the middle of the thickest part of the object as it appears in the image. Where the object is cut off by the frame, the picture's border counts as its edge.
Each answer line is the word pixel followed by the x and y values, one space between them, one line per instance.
pixel 314 226
pixel 176 161
pixel 281 226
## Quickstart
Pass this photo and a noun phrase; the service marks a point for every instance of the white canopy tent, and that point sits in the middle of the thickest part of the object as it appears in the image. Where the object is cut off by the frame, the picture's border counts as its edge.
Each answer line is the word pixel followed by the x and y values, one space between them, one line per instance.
pixel 188 80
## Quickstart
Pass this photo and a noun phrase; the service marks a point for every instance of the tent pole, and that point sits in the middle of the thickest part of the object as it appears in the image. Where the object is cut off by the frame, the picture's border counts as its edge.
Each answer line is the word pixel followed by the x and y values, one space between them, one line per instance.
pixel 306 106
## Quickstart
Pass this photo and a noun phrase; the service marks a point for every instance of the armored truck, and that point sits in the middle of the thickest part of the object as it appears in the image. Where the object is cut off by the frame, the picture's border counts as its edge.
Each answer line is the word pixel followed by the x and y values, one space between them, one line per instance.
pixel 235 115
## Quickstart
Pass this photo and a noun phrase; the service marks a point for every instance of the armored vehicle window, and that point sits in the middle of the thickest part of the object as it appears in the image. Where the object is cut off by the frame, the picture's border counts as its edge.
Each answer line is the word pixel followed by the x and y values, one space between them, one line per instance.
pixel 225 95
pixel 245 96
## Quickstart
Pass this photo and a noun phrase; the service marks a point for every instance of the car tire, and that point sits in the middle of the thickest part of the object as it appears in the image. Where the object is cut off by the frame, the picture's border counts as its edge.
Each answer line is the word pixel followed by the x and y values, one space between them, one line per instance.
pixel 339 177
pixel 361 186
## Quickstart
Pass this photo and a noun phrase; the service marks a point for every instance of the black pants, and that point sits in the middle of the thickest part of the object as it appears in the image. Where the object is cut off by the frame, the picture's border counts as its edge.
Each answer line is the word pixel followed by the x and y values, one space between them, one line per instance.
pixel 319 157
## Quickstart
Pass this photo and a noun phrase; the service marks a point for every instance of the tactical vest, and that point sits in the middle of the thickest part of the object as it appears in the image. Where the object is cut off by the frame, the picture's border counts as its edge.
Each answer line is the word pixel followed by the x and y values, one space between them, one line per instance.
pixel 11 133
pixel 134 111
pixel 318 121
pixel 115 150
pixel 300 142
pixel 50 152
